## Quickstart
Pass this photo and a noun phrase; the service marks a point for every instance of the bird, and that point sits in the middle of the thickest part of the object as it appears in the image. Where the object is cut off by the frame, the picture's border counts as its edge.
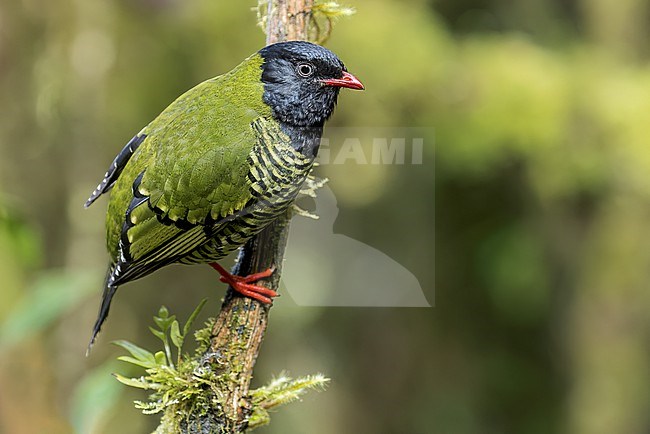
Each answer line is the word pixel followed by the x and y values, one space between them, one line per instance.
pixel 219 164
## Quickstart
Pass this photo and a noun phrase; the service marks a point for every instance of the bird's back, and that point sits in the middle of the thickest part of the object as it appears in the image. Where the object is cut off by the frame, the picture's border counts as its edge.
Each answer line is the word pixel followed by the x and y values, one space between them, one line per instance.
pixel 192 161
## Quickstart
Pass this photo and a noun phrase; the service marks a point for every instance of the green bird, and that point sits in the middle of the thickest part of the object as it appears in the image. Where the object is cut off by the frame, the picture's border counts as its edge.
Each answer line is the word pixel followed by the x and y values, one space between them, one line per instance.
pixel 218 165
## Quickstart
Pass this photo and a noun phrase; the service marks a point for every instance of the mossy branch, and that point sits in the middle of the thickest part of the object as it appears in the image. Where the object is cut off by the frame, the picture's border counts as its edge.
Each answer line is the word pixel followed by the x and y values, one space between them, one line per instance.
pixel 193 392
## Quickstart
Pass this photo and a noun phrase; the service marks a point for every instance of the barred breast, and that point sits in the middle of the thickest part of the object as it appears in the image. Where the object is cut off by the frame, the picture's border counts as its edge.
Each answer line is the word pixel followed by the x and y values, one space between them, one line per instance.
pixel 277 172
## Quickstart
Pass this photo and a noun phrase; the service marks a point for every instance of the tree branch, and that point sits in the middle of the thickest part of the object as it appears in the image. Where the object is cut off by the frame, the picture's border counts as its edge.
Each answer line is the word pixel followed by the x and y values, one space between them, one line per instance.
pixel 288 20
pixel 239 329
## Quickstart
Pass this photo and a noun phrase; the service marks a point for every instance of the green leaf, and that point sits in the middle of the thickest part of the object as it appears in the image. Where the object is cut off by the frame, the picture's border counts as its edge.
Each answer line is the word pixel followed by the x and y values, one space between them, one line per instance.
pixel 175 334
pixel 145 364
pixel 160 357
pixel 134 382
pixel 192 318
pixel 159 334
pixel 164 320
pixel 163 312
pixel 143 356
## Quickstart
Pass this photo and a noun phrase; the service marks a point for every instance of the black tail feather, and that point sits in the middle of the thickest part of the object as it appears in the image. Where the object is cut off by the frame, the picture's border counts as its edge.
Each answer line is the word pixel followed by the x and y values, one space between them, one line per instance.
pixel 107 296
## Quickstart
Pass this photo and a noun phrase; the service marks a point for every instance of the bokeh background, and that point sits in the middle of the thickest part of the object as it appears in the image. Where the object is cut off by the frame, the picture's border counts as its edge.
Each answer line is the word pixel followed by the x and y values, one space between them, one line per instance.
pixel 539 181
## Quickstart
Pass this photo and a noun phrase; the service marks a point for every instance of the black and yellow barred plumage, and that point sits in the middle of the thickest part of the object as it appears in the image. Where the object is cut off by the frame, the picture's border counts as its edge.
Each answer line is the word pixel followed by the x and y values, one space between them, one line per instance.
pixel 277 171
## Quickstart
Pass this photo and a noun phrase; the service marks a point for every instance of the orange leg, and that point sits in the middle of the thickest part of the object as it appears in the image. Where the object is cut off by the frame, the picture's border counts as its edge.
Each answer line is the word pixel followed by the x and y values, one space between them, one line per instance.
pixel 243 284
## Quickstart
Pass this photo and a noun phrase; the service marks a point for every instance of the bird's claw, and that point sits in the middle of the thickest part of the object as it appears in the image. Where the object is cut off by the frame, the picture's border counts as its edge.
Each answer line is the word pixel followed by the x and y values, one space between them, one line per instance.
pixel 243 284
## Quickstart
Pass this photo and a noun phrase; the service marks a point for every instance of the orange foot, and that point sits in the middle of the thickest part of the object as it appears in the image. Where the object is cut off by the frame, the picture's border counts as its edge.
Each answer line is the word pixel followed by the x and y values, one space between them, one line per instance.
pixel 243 284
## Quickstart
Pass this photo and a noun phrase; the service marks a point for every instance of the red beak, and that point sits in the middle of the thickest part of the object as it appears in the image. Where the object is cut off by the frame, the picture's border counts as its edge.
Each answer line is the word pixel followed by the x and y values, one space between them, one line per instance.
pixel 348 80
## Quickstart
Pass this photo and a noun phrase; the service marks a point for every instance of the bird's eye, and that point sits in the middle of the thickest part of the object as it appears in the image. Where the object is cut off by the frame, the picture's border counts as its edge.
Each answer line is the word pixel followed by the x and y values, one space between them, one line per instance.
pixel 306 69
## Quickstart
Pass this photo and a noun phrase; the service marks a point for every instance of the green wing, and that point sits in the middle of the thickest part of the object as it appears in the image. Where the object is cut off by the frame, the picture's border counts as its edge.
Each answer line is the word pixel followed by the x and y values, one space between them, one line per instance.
pixel 208 173
pixel 192 165
pixel 150 238
pixel 194 159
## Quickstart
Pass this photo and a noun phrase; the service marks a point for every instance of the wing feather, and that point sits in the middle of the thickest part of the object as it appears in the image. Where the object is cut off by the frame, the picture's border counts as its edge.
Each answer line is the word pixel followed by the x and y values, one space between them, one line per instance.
pixel 116 168
pixel 151 240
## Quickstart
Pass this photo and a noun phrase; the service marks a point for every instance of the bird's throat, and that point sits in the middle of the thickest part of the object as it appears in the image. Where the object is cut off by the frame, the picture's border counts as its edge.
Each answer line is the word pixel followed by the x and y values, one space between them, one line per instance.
pixel 305 140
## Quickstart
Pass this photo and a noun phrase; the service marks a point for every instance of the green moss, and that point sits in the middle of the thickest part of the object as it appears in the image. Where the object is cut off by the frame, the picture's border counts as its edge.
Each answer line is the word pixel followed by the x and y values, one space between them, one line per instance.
pixel 190 393
pixel 281 390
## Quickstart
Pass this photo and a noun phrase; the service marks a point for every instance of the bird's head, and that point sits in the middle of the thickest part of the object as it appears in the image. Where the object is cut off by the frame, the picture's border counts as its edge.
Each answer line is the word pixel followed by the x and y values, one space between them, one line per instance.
pixel 302 82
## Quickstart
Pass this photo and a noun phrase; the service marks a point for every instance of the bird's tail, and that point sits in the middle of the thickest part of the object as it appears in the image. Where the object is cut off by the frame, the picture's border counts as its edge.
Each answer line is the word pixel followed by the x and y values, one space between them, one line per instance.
pixel 107 296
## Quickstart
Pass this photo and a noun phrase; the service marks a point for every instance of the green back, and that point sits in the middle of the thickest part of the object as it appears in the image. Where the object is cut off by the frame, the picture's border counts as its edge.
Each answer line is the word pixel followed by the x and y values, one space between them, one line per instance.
pixel 194 158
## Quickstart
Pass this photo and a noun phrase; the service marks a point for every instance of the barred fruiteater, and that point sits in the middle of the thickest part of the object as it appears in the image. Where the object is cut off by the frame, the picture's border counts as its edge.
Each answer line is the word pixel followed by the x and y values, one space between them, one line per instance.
pixel 218 165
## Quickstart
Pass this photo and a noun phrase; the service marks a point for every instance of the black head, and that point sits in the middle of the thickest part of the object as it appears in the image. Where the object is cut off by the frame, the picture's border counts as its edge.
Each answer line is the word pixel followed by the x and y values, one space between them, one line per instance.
pixel 302 82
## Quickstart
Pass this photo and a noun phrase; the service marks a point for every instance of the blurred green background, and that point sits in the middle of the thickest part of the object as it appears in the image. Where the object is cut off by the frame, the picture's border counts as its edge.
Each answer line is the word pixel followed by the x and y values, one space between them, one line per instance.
pixel 539 180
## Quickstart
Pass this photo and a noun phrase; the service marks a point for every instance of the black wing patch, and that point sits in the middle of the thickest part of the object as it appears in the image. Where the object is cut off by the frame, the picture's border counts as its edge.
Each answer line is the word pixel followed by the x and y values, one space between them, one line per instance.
pixel 116 168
